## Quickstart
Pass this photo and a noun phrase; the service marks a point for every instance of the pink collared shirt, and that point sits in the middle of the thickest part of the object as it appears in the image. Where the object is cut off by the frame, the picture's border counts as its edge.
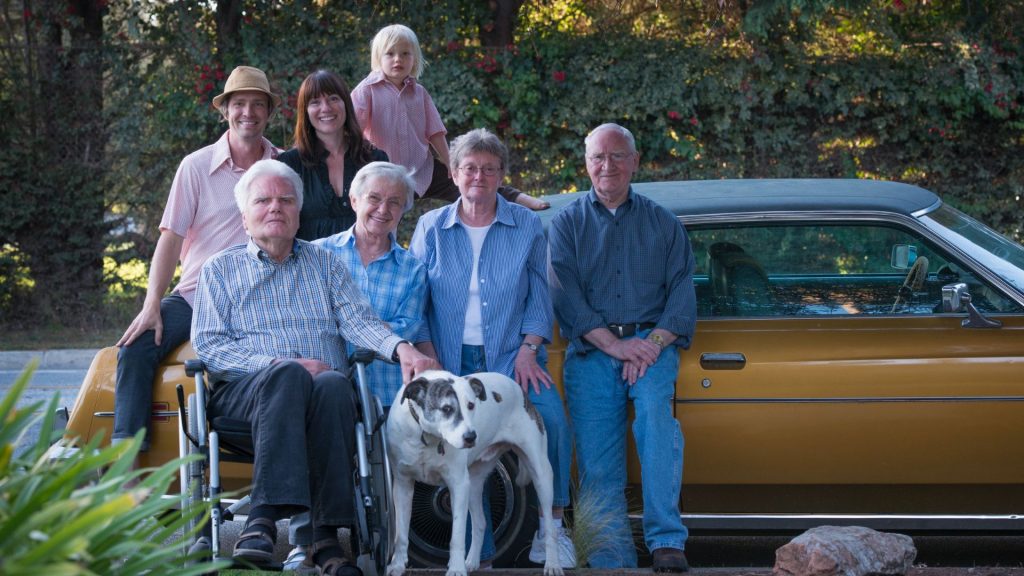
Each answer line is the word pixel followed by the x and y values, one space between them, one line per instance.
pixel 399 122
pixel 201 208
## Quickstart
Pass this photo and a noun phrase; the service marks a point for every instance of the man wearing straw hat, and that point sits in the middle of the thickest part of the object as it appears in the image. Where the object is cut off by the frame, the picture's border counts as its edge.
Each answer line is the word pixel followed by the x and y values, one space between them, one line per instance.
pixel 200 219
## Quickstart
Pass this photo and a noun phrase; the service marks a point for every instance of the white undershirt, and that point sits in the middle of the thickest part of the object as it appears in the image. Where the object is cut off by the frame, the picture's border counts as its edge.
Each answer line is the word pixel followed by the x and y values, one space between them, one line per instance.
pixel 473 331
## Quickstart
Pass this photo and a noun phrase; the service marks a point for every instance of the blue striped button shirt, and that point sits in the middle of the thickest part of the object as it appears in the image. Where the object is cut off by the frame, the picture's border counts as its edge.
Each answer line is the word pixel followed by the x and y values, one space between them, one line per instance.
pixel 250 310
pixel 514 295
pixel 396 285
pixel 633 266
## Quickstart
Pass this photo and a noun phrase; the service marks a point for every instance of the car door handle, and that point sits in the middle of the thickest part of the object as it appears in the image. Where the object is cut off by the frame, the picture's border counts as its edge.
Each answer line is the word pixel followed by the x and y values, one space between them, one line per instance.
pixel 722 361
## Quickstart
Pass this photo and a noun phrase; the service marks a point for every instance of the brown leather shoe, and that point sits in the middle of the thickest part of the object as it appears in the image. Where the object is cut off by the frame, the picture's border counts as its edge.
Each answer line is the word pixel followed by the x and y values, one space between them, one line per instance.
pixel 670 560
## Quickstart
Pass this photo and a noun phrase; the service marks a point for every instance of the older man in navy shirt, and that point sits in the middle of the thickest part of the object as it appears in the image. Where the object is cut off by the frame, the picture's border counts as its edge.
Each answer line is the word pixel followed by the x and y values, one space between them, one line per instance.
pixel 622 283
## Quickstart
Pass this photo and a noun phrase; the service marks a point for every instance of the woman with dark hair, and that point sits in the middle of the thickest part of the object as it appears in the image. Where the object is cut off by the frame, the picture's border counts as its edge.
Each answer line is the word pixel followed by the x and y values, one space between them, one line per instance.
pixel 328 151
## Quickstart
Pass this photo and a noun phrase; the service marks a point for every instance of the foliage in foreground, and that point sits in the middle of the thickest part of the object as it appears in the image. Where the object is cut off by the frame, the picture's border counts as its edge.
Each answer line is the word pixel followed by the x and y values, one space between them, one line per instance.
pixel 75 515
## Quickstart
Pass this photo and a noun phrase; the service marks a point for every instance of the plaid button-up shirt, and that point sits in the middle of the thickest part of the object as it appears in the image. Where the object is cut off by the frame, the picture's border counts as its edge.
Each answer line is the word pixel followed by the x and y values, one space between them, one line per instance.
pixel 251 310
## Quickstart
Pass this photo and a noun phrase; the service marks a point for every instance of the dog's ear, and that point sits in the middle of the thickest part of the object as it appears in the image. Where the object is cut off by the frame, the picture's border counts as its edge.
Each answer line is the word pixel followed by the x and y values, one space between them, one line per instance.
pixel 478 389
pixel 416 391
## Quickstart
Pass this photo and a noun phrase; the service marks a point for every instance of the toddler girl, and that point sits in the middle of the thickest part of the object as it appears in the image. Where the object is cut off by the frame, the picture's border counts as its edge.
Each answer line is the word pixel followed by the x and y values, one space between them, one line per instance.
pixel 398 116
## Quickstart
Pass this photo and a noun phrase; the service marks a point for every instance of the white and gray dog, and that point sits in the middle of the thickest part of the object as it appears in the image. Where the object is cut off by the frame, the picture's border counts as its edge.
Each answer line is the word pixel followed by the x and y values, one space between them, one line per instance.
pixel 451 430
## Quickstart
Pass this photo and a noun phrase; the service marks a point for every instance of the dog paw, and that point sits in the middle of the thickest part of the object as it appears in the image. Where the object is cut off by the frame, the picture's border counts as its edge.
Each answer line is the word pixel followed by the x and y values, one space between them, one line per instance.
pixel 552 569
pixel 456 571
pixel 395 569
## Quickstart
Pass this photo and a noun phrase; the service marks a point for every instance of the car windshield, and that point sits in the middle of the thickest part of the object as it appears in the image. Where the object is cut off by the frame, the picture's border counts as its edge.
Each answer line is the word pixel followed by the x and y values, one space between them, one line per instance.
pixel 1009 256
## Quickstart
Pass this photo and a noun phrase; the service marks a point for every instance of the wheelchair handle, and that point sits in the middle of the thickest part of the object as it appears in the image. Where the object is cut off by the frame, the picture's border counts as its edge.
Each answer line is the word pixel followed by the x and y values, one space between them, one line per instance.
pixel 194 366
pixel 363 356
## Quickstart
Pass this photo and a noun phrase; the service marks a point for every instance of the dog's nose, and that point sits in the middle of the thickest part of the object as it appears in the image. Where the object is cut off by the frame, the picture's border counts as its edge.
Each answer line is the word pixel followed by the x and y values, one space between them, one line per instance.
pixel 469 438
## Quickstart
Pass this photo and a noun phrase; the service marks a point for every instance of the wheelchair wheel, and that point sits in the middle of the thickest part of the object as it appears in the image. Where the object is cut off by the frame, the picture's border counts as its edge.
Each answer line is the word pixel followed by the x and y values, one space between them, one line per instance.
pixel 513 516
pixel 377 521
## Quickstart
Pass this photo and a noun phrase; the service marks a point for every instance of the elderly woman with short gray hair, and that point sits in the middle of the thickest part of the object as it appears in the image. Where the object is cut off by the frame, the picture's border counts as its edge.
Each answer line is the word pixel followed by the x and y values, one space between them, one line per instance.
pixel 488 303
pixel 393 281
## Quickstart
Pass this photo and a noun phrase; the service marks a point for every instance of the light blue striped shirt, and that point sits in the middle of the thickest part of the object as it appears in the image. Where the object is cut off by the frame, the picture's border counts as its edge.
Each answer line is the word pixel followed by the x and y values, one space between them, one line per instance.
pixel 396 284
pixel 250 310
pixel 514 296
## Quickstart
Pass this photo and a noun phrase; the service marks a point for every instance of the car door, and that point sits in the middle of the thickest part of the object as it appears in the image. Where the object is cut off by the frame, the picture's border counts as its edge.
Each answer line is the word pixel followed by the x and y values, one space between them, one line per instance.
pixel 814 386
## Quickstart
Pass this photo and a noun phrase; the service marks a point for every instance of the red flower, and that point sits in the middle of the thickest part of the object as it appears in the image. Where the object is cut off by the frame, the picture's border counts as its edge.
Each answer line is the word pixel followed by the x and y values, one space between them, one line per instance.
pixel 558 76
pixel 453 46
pixel 673 115
pixel 693 121
pixel 898 4
pixel 209 86
pixel 220 74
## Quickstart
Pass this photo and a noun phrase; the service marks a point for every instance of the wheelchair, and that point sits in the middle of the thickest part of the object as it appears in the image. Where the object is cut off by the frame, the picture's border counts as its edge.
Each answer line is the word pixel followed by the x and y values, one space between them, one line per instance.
pixel 228 440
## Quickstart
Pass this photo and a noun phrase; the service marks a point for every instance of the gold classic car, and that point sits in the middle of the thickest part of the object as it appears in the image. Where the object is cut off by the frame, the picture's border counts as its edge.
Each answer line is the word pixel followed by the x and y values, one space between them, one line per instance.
pixel 858 359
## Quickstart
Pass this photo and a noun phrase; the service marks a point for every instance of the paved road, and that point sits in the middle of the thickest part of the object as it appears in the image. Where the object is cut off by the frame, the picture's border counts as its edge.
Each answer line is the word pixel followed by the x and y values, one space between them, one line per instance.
pixel 43 386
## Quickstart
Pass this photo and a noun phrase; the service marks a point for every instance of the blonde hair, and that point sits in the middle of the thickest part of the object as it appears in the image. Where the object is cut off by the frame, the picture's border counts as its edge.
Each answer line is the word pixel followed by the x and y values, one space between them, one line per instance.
pixel 387 37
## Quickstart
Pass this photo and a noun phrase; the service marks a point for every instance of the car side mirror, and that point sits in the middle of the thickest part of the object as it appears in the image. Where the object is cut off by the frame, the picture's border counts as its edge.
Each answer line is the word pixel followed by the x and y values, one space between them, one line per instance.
pixel 903 256
pixel 956 298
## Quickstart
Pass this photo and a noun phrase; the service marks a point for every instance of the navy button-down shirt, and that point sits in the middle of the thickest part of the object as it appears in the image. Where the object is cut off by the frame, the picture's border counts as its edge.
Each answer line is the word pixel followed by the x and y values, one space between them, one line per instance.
pixel 629 267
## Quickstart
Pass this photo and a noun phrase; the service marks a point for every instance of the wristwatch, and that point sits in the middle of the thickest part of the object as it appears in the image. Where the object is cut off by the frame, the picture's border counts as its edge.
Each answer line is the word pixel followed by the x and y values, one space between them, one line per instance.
pixel 657 339
pixel 533 347
pixel 394 355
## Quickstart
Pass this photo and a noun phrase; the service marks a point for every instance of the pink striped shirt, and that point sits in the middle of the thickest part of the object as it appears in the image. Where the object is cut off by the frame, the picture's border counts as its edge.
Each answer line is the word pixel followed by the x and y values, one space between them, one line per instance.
pixel 201 208
pixel 399 122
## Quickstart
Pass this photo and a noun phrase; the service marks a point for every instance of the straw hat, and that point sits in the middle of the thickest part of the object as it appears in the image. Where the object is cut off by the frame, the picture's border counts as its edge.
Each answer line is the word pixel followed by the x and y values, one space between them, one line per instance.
pixel 246 78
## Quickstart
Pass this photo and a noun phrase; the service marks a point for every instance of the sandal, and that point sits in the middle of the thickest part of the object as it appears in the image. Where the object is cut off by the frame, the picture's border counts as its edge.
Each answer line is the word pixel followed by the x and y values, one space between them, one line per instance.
pixel 256 546
pixel 334 566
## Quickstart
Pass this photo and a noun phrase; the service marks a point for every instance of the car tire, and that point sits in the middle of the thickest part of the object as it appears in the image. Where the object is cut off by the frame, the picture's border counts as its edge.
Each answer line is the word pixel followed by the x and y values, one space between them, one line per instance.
pixel 513 515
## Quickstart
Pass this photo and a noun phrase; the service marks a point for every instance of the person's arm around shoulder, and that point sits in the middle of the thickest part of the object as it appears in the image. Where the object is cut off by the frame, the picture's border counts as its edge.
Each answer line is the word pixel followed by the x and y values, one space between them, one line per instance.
pixel 439 142
pixel 161 271
pixel 362 101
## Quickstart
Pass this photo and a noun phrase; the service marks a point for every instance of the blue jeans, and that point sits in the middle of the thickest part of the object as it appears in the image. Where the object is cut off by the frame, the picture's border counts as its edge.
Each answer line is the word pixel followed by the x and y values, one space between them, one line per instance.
pixel 136 369
pixel 552 410
pixel 598 398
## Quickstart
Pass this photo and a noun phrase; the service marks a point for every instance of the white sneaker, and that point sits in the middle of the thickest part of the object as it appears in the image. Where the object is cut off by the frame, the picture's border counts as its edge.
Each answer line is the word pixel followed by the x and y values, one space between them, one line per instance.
pixel 566 550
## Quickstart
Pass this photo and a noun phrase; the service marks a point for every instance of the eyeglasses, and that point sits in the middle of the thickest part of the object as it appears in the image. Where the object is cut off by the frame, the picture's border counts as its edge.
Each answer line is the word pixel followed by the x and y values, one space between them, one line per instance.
pixel 614 158
pixel 472 170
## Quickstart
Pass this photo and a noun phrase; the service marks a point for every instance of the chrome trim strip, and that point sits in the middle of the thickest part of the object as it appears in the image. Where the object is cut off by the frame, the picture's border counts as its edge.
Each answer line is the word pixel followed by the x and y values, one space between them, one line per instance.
pixel 923 211
pixel 958 522
pixel 156 413
pixel 850 400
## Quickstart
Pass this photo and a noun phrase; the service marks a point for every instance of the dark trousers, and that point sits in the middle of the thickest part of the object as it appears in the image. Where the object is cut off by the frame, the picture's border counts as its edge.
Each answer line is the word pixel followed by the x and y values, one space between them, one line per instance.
pixel 303 436
pixel 442 187
pixel 137 364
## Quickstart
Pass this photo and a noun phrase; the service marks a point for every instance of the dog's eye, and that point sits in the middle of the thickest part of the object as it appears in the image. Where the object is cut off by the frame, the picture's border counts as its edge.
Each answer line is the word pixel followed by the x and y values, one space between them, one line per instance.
pixel 447 410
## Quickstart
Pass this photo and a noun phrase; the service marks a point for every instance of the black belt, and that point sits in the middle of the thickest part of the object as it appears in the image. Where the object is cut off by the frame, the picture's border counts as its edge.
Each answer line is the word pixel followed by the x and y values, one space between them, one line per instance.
pixel 625 330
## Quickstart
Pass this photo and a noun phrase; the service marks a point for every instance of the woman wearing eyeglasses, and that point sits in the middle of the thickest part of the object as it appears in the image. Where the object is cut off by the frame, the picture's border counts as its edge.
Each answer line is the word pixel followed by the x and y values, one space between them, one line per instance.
pixel 488 304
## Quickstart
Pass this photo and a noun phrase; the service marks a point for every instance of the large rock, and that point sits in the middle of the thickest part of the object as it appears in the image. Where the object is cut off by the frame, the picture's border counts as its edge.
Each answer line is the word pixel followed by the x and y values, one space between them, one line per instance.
pixel 845 551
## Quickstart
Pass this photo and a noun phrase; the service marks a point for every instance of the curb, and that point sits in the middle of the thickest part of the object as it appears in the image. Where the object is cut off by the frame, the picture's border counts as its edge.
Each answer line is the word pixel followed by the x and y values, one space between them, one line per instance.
pixel 68 359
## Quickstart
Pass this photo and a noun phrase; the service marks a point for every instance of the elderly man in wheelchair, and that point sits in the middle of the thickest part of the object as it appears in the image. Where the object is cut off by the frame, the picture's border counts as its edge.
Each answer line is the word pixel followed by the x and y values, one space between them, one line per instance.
pixel 271 320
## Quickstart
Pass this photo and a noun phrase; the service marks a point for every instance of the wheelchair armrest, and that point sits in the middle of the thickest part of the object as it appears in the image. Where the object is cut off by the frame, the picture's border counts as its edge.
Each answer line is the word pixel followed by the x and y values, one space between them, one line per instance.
pixel 362 356
pixel 194 366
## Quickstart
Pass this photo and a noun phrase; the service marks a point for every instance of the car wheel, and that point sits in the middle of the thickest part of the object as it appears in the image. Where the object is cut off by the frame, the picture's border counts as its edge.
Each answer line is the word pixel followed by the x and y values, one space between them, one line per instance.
pixel 513 515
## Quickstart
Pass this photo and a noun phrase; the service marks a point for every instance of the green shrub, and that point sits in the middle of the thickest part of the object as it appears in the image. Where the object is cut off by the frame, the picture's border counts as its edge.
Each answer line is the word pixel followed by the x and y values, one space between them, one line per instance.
pixel 89 513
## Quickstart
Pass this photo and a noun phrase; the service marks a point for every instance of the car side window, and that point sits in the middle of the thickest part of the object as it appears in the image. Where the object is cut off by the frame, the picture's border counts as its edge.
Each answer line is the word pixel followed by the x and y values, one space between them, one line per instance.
pixel 832 270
